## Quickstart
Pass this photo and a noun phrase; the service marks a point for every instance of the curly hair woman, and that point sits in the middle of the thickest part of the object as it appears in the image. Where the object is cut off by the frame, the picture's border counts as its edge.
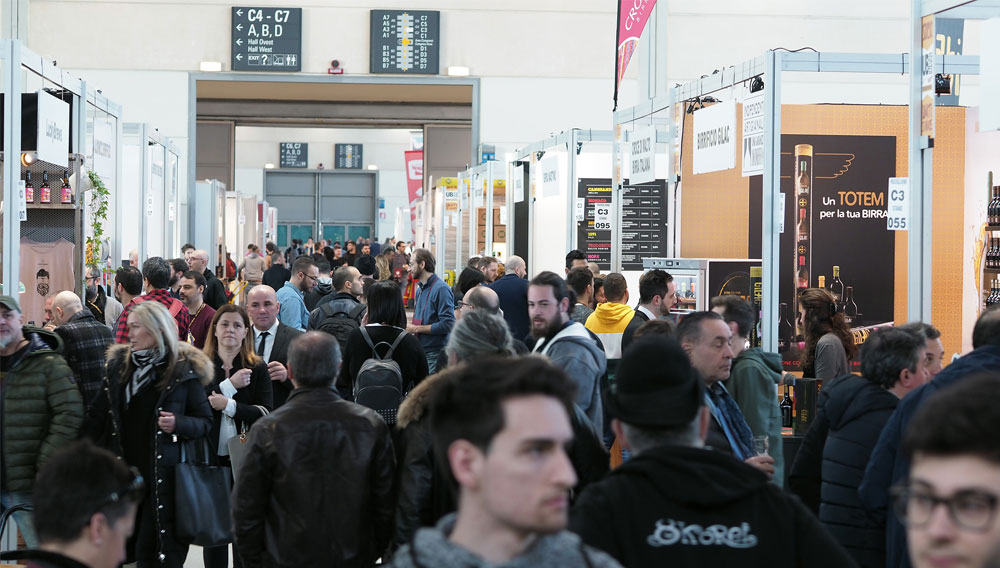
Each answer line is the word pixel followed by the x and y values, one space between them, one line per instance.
pixel 829 343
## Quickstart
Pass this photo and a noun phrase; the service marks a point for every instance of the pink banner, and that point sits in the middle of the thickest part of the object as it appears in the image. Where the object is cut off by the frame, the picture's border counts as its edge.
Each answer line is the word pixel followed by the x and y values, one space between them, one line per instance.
pixel 632 17
pixel 414 184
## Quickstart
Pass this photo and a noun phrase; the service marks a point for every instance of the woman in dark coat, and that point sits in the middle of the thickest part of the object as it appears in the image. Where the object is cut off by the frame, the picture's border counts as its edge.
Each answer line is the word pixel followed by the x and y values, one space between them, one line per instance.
pixel 154 400
pixel 239 394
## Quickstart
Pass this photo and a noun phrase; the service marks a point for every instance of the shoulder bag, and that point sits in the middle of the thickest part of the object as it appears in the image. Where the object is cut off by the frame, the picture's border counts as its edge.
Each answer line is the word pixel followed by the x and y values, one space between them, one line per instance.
pixel 202 506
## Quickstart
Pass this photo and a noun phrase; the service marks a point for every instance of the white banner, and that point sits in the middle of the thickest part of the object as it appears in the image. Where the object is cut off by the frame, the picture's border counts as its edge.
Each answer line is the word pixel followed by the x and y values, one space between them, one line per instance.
pixel 550 176
pixel 714 146
pixel 989 66
pixel 753 134
pixel 642 155
pixel 53 130
pixel 898 205
pixel 104 151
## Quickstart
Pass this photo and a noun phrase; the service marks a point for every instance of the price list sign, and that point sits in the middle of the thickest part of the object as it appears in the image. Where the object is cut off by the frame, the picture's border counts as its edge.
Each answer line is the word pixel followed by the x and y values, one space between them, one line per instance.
pixel 348 156
pixel 643 228
pixel 405 41
pixel 266 39
pixel 293 155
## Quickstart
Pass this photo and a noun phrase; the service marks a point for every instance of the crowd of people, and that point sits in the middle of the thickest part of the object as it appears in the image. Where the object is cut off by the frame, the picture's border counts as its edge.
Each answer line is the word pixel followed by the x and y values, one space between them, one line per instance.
pixel 561 420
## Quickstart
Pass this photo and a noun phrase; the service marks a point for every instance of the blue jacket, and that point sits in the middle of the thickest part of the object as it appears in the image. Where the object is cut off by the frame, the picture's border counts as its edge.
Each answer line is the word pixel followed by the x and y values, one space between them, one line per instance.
pixel 513 293
pixel 435 307
pixel 888 465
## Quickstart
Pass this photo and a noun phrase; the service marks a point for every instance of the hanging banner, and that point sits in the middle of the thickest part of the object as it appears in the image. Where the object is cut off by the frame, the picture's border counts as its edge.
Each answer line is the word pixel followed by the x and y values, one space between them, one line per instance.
pixel 632 17
pixel 642 146
pixel 550 176
pixel 53 130
pixel 927 76
pixel 753 134
pixel 104 150
pixel 714 146
pixel 414 184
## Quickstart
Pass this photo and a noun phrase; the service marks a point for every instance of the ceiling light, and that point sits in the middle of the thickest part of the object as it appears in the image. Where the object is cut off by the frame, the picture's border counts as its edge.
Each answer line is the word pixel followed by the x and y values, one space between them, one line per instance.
pixel 211 66
pixel 269 166
pixel 458 71
pixel 372 167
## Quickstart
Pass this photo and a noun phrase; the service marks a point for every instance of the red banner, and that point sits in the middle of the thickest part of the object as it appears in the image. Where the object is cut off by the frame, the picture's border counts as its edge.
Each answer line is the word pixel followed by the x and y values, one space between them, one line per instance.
pixel 414 184
pixel 632 17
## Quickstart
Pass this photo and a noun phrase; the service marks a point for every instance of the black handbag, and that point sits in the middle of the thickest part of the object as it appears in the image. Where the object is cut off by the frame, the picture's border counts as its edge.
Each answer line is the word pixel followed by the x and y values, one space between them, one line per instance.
pixel 202 506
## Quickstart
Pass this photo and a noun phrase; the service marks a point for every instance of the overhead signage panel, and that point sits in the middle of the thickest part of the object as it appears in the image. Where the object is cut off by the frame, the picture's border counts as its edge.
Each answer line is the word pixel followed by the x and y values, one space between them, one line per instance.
pixel 714 143
pixel 293 155
pixel 405 41
pixel 53 130
pixel 266 39
pixel 642 146
pixel 348 156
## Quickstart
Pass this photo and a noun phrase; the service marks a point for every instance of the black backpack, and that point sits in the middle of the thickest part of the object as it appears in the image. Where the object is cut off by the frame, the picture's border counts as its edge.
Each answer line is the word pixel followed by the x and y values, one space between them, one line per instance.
pixel 379 384
pixel 340 324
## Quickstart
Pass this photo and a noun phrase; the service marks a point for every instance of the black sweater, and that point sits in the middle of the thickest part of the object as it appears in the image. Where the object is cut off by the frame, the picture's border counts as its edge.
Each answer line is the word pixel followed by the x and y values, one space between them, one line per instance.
pixel 409 354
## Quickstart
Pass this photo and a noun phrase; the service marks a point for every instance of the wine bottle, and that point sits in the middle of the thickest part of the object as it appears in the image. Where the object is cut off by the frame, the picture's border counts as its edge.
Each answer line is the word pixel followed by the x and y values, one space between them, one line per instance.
pixel 29 189
pixel 803 227
pixel 991 207
pixel 45 191
pixel 785 330
pixel 822 282
pixel 66 193
pixel 850 308
pixel 786 410
pixel 837 287
pixel 803 202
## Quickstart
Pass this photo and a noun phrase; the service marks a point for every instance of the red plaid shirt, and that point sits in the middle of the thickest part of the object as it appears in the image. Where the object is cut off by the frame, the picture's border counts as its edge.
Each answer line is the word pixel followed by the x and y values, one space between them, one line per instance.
pixel 182 316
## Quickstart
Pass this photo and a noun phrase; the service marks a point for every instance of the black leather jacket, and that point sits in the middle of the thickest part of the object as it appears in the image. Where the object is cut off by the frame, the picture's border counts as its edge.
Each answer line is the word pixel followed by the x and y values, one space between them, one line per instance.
pixel 316 486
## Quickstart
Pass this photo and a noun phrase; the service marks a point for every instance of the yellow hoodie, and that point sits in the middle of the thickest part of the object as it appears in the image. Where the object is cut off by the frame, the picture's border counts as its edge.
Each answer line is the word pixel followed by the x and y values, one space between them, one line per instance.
pixel 609 321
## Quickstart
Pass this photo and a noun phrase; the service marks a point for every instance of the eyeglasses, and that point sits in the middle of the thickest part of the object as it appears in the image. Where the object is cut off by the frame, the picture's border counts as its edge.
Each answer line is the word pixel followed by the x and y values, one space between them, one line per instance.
pixel 311 277
pixel 460 304
pixel 969 509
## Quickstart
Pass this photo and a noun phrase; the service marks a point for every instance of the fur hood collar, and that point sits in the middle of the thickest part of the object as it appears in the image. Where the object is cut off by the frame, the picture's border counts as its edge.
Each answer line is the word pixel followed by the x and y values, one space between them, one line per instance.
pixel 197 362
pixel 414 406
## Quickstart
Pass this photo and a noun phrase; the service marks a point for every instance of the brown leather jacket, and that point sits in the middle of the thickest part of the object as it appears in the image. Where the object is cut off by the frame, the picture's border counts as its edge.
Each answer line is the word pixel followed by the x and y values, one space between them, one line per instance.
pixel 316 486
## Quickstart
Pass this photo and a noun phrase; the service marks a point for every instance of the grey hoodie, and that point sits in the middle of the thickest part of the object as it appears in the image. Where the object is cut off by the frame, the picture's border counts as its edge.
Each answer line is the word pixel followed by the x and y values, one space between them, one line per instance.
pixel 575 351
pixel 432 549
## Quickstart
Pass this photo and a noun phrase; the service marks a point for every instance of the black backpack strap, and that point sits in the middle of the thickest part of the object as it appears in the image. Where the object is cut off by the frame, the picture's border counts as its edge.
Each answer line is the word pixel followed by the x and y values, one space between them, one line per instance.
pixel 368 339
pixel 357 311
pixel 327 309
pixel 395 344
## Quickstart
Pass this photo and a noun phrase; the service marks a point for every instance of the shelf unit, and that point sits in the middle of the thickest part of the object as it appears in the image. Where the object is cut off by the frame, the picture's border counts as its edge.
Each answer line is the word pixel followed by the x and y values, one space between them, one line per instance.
pixel 988 275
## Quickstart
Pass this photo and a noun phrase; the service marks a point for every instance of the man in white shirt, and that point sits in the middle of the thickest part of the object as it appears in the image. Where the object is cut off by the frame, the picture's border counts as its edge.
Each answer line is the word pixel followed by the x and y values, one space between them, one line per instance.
pixel 271 339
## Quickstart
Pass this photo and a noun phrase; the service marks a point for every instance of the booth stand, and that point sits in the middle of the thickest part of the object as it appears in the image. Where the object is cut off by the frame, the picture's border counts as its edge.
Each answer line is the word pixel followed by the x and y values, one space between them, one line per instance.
pixel 149 165
pixel 481 215
pixel 103 150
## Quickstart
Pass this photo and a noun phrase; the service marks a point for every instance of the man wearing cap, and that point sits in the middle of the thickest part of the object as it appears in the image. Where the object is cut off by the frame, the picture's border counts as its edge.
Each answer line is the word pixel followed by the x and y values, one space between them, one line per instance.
pixel 40 408
pixel 676 503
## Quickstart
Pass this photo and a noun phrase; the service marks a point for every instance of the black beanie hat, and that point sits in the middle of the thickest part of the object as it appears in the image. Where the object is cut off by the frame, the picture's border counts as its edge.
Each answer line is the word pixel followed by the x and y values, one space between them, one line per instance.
pixel 655 387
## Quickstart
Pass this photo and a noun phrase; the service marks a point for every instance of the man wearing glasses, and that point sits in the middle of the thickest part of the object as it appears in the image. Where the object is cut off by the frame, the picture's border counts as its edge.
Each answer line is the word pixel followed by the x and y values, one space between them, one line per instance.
pixel 291 296
pixel 84 510
pixel 949 502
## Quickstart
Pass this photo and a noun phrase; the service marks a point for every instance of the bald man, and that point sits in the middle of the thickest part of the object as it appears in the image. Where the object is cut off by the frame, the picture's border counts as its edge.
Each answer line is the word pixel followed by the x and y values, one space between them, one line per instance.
pixel 271 339
pixel 84 341
pixel 215 291
pixel 512 289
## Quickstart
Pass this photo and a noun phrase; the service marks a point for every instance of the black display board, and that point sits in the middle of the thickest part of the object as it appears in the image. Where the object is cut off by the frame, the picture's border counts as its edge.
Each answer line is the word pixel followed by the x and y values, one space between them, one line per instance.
pixel 644 222
pixel 266 39
pixel 845 217
pixel 348 156
pixel 293 155
pixel 405 41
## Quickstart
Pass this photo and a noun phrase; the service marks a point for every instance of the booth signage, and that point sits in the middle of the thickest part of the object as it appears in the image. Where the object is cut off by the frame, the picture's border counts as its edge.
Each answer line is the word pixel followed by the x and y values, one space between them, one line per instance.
pixel 293 155
pixel 898 205
pixel 927 76
pixel 602 216
pixel 171 211
pixel 266 39
pixel 753 134
pixel 104 150
pixel 348 156
pixel 551 184
pixel 580 212
pixel 642 146
pixel 989 75
pixel 22 201
pixel 714 144
pixel 53 130
pixel 518 185
pixel 405 41
pixel 643 222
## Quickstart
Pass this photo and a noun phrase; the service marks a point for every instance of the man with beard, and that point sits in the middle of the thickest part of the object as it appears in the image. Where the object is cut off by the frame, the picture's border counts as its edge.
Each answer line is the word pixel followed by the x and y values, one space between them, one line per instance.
pixel 178 266
pixel 657 294
pixel 567 343
pixel 128 286
pixel 192 290
pixel 434 314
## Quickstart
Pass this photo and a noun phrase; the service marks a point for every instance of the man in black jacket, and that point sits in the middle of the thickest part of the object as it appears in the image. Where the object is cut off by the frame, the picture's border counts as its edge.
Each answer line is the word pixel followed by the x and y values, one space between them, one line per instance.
pixel 677 503
pixel 657 295
pixel 850 415
pixel 215 291
pixel 271 339
pixel 277 275
pixel 322 499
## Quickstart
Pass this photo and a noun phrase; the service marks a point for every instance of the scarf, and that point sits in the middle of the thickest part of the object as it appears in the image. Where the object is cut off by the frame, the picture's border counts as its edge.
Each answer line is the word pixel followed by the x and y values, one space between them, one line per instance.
pixel 145 361
pixel 731 419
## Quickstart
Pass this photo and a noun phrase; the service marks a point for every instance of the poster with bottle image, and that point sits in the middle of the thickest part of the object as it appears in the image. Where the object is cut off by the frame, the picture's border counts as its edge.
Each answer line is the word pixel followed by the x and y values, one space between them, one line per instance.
pixel 835 228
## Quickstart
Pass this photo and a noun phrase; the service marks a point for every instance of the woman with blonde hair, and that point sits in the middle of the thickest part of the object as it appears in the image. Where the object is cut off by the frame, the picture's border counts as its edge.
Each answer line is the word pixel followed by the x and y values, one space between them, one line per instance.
pixel 153 402
pixel 829 343
pixel 239 394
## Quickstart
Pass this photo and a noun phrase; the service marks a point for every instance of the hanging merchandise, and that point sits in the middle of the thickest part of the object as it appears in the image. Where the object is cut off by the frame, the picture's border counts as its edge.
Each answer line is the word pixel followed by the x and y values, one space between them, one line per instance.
pixel 46 270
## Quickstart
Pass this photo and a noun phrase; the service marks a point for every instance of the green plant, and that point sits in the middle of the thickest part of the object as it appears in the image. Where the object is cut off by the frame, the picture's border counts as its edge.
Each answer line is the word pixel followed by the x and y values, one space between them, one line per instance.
pixel 98 215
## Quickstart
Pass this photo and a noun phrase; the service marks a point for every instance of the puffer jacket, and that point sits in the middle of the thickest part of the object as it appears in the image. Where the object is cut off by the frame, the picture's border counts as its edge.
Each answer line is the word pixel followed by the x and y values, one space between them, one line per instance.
pixel 855 411
pixel 424 494
pixel 316 485
pixel 184 396
pixel 42 409
pixel 751 383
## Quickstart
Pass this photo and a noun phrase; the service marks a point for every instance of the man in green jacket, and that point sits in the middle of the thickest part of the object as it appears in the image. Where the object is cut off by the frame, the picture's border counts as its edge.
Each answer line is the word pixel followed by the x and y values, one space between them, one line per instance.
pixel 753 380
pixel 40 407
